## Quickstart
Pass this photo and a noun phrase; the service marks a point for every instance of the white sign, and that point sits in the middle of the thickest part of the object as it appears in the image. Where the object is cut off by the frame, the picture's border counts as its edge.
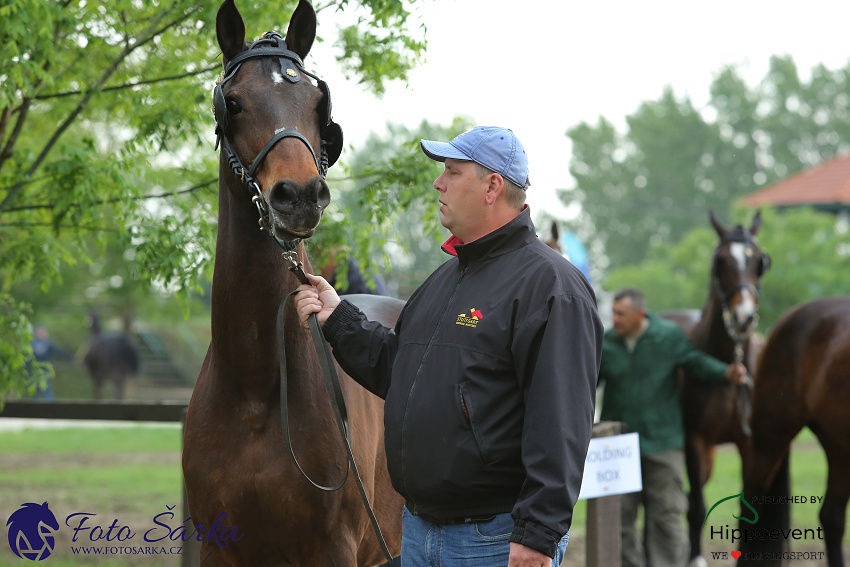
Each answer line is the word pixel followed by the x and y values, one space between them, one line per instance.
pixel 612 466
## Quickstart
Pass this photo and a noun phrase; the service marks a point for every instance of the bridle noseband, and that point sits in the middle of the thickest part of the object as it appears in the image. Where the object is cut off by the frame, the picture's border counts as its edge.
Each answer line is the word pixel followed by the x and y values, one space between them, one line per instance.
pixel 273 45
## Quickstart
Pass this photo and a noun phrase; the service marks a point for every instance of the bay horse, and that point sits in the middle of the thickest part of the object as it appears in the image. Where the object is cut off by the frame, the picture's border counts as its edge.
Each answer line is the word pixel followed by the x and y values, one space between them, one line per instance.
pixel 238 473
pixel 803 379
pixel 110 357
pixel 712 413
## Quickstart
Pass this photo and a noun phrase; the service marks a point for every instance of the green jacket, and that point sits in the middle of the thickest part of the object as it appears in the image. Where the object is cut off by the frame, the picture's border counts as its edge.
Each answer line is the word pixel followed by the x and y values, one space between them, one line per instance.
pixel 642 387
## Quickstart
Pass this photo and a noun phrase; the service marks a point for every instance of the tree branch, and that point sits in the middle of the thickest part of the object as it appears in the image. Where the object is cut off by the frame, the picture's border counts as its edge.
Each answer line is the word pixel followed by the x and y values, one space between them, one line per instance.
pixel 215 68
pixel 50 224
pixel 4 121
pixel 143 38
pixel 201 185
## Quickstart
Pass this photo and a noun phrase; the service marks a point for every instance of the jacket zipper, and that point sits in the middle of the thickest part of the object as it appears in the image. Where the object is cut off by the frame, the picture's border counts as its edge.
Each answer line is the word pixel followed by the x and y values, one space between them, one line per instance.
pixel 416 376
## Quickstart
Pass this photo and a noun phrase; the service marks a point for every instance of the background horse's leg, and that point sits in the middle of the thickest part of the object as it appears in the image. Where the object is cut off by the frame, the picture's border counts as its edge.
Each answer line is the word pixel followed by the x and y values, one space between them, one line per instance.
pixel 699 462
pixel 833 512
pixel 120 380
pixel 768 477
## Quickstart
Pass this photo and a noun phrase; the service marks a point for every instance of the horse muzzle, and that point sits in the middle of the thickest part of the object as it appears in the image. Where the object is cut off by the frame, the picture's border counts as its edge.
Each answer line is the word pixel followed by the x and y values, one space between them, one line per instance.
pixel 296 208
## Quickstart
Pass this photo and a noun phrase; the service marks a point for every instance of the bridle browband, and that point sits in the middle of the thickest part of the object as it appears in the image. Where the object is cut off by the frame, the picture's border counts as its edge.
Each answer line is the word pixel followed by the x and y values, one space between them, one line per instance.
pixel 273 45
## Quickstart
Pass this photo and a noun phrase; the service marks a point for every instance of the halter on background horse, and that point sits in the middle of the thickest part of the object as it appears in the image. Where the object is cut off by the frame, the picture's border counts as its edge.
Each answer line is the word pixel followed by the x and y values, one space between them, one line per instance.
pixel 235 461
pixel 803 379
pixel 715 414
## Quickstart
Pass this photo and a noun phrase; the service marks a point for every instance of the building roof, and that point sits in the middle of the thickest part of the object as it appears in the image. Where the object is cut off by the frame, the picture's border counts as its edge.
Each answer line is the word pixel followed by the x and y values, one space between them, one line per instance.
pixel 826 185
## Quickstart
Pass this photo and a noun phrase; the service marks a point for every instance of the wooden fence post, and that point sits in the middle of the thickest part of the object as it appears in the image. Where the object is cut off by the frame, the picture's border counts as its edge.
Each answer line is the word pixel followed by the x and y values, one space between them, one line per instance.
pixel 603 516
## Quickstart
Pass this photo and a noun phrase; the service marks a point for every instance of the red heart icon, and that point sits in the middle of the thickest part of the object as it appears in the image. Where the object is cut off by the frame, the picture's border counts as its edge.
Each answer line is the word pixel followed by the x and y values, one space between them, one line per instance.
pixel 735 554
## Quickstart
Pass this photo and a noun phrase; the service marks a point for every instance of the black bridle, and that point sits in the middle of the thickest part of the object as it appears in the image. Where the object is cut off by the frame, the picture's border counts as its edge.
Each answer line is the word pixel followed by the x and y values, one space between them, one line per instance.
pixel 272 45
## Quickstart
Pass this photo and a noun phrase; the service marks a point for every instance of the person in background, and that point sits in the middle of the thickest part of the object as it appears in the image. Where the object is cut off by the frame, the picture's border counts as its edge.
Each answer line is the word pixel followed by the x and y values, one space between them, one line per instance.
pixel 40 375
pixel 640 359
pixel 489 375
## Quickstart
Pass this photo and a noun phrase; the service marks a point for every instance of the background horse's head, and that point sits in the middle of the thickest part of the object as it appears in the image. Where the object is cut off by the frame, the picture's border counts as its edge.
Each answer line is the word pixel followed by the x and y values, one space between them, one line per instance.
pixel 736 272
pixel 272 118
pixel 554 239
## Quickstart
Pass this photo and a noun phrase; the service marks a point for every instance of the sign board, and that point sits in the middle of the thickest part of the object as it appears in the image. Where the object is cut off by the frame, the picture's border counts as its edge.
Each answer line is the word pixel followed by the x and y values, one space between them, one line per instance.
pixel 612 466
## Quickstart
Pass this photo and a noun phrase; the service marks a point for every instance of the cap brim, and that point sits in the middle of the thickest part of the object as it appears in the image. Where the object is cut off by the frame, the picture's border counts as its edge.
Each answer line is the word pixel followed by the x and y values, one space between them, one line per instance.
pixel 439 151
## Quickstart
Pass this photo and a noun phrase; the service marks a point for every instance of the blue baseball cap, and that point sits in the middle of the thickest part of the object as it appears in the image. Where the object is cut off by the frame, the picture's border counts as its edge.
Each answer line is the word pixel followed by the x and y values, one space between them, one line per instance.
pixel 497 149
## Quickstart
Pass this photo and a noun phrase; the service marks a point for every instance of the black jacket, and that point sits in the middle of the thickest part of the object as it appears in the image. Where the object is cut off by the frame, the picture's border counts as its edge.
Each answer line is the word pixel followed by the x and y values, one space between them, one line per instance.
pixel 489 378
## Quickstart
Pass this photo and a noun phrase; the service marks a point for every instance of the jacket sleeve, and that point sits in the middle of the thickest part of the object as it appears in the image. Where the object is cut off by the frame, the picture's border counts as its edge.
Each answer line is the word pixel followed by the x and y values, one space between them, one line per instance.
pixel 364 349
pixel 698 364
pixel 557 354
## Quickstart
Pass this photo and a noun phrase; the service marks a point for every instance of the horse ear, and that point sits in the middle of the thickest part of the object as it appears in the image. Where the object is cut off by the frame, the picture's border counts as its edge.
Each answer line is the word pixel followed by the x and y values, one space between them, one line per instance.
pixel 230 30
pixel 555 236
pixel 718 226
pixel 756 225
pixel 302 29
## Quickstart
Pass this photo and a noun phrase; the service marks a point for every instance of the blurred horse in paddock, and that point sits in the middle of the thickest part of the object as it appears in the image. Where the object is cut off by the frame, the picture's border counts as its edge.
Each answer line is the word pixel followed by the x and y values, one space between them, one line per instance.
pixel 111 357
pixel 803 380
pixel 715 414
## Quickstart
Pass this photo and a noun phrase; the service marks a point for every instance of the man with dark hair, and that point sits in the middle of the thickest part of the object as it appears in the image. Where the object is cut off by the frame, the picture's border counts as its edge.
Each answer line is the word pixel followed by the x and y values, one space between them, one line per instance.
pixel 489 375
pixel 640 358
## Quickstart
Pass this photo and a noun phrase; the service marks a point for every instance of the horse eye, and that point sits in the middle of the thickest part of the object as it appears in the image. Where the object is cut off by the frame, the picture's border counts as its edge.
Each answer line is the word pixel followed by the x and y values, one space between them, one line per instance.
pixel 233 107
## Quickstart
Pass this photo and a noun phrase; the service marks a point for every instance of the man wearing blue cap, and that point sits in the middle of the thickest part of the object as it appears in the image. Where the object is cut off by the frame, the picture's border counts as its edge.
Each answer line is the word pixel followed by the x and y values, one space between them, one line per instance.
pixel 489 376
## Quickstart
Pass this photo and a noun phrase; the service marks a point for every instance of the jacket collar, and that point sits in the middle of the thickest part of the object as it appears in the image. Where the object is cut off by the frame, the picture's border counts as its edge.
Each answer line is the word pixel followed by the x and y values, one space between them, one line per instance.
pixel 512 236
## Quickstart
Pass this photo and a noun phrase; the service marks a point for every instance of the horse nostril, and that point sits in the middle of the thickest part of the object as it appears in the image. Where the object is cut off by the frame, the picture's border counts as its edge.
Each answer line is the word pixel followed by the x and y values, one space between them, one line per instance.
pixel 287 194
pixel 283 195
pixel 323 193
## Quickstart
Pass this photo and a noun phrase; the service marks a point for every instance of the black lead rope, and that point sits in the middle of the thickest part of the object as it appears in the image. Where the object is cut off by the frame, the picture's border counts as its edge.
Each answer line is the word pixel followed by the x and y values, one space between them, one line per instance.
pixel 337 401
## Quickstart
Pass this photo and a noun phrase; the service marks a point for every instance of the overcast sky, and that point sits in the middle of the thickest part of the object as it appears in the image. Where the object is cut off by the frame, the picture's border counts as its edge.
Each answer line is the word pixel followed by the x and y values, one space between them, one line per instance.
pixel 542 66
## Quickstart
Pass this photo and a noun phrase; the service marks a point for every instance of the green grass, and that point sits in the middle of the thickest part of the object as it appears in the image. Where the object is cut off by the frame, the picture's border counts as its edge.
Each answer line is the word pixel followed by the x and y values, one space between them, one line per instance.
pixel 133 472
pixel 128 474
pixel 92 440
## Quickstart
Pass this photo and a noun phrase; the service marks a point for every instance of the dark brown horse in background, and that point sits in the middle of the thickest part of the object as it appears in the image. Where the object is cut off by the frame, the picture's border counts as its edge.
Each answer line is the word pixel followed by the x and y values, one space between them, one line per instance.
pixel 715 414
pixel 110 357
pixel 803 379
pixel 235 460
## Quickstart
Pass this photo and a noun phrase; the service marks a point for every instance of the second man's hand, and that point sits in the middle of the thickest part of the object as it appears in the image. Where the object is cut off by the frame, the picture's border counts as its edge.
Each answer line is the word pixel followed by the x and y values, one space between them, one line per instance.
pixel 320 298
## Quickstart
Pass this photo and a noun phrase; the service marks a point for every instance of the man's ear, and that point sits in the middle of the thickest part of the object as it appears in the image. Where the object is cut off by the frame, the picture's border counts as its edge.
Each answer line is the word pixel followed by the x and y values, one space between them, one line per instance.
pixel 495 187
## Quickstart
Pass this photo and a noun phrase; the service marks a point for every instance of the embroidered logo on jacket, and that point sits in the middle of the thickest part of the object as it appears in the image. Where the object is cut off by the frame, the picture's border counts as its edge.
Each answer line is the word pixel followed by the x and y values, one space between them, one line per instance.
pixel 470 320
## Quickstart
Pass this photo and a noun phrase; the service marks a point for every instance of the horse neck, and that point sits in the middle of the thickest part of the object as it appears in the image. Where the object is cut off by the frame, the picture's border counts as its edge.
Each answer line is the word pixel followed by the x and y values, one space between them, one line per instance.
pixel 250 280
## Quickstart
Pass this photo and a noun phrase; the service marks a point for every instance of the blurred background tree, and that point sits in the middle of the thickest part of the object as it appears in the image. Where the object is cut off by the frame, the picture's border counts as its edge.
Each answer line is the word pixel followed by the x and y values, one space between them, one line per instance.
pixel 810 258
pixel 101 114
pixel 644 189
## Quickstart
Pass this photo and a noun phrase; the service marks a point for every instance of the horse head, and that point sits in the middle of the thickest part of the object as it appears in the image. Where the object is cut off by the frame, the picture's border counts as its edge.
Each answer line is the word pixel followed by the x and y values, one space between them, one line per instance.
pixel 736 271
pixel 269 114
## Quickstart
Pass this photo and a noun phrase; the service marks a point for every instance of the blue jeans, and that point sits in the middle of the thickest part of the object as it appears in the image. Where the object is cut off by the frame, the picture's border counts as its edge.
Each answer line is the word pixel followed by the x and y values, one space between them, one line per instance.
pixel 472 544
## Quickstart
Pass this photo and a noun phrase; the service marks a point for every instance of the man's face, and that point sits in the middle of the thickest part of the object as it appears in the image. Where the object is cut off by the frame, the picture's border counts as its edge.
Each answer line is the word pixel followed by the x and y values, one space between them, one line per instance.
pixel 627 319
pixel 462 197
